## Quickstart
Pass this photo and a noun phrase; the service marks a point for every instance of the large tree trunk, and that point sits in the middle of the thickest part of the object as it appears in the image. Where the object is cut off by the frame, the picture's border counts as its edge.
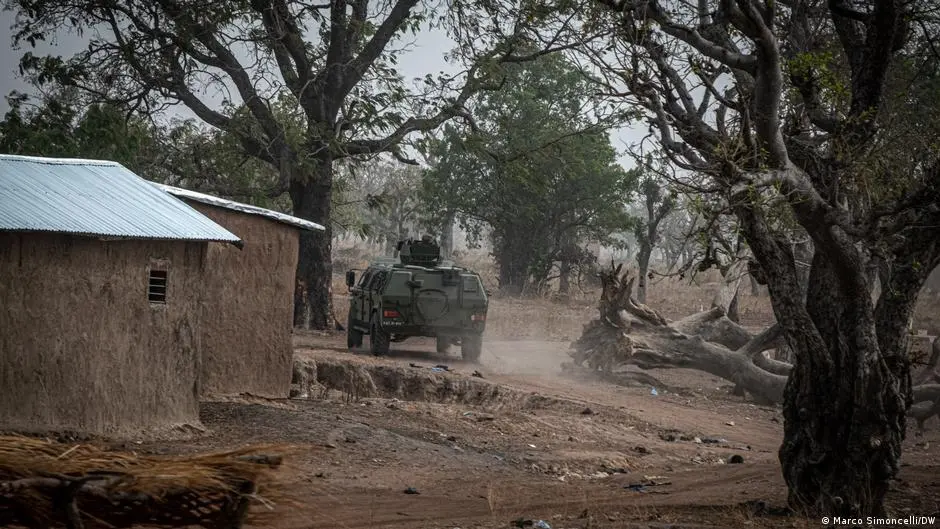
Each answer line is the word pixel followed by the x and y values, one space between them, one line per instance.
pixel 844 407
pixel 848 393
pixel 311 199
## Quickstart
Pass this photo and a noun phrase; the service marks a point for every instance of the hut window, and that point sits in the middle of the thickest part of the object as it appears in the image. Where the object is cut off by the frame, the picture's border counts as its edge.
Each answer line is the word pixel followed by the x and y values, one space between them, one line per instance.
pixel 156 287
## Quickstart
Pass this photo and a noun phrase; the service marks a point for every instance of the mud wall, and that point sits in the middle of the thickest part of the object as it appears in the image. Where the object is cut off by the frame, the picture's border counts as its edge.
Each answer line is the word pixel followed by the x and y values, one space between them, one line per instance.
pixel 248 311
pixel 82 348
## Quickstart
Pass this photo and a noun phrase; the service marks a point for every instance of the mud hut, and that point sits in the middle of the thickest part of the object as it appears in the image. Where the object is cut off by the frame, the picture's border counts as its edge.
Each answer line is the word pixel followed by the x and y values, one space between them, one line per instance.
pixel 101 279
pixel 246 338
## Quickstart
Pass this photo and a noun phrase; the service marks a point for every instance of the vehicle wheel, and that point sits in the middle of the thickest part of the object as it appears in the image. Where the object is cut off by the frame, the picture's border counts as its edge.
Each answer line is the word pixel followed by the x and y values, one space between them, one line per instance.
pixel 443 344
pixel 378 339
pixel 353 336
pixel 471 347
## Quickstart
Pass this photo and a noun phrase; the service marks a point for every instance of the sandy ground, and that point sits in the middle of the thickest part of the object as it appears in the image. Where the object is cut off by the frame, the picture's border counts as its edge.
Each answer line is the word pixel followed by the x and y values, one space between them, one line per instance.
pixel 522 441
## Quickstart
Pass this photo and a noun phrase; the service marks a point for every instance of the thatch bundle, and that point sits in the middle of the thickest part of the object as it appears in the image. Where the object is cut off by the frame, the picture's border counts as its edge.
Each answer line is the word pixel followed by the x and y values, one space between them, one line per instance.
pixel 46 484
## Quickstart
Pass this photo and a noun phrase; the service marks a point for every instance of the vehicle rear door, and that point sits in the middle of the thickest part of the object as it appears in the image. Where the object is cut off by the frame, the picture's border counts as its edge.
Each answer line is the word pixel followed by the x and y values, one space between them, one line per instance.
pixel 359 298
pixel 374 289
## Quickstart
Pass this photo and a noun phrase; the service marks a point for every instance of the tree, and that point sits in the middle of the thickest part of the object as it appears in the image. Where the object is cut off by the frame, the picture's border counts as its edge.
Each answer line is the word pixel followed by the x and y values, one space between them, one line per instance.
pixel 658 203
pixel 789 109
pixel 677 240
pixel 388 201
pixel 534 168
pixel 335 60
pixel 60 125
pixel 208 160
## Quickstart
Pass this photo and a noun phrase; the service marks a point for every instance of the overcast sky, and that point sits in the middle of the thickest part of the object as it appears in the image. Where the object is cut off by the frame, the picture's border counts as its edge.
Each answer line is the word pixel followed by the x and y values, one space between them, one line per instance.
pixel 426 55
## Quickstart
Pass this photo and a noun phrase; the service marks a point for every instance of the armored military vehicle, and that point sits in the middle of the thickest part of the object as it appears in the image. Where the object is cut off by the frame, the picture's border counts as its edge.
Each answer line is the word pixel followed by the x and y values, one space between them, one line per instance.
pixel 417 295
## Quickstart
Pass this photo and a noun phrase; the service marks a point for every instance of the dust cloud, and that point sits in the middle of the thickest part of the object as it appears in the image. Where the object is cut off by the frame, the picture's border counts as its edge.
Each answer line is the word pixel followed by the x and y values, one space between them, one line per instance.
pixel 529 358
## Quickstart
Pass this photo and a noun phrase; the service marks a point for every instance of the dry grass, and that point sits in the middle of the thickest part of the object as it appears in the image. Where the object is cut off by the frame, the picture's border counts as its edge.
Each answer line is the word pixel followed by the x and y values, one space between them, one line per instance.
pixel 115 489
pixel 24 457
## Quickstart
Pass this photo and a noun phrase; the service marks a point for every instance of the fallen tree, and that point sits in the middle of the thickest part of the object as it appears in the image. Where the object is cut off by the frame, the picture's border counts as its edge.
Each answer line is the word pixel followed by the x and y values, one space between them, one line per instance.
pixel 627 332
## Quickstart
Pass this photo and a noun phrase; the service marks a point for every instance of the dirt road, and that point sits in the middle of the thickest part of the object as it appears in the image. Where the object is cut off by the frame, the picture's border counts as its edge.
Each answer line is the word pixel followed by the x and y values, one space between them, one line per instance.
pixel 521 440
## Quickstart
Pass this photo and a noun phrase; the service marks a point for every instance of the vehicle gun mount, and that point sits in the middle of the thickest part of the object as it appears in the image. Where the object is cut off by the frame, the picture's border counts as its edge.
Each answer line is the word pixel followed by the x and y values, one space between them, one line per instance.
pixel 423 252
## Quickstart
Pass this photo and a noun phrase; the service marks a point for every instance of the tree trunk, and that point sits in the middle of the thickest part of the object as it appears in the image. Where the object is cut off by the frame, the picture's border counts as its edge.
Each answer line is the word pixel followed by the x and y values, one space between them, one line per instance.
pixel 643 261
pixel 447 237
pixel 570 251
pixel 844 405
pixel 839 453
pixel 564 277
pixel 627 332
pixel 512 276
pixel 311 200
pixel 402 229
pixel 514 256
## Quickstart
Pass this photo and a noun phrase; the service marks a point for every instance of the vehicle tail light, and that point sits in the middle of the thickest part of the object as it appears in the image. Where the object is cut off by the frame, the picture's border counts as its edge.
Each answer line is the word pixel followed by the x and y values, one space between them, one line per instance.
pixel 478 317
pixel 390 314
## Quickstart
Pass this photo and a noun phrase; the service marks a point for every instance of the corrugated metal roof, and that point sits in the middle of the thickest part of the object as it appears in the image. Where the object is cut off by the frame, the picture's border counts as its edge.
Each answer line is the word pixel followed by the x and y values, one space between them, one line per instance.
pixel 95 197
pixel 238 206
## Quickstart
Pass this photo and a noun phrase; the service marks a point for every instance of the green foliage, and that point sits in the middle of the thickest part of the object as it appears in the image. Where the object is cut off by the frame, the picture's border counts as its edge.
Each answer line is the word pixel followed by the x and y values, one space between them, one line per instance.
pixel 56 127
pixel 824 67
pixel 536 170
pixel 211 161
pixel 909 140
pixel 185 153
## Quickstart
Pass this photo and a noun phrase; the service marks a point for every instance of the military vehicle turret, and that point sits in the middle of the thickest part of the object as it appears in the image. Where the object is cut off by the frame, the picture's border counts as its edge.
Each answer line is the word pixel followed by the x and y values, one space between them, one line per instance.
pixel 417 295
